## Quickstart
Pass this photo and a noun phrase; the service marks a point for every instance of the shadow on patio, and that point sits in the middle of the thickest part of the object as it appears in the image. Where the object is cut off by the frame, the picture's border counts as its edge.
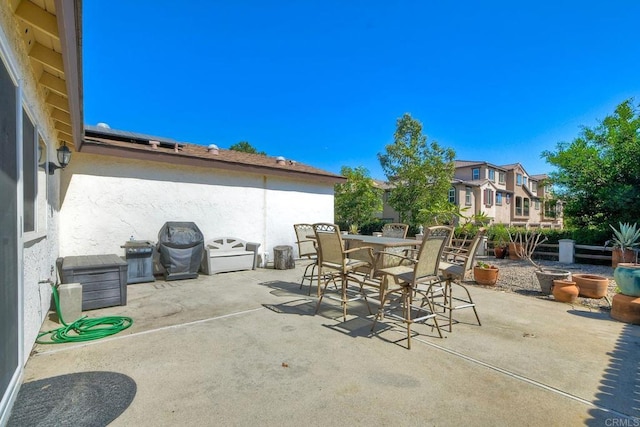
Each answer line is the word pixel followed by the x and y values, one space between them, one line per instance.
pixel 619 388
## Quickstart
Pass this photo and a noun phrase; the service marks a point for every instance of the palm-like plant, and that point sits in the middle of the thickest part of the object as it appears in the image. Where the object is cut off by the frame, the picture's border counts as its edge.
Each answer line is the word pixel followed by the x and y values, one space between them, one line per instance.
pixel 626 237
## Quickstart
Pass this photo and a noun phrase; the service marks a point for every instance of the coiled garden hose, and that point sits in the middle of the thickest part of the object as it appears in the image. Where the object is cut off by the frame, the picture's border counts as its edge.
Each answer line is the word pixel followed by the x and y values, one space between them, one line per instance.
pixel 83 329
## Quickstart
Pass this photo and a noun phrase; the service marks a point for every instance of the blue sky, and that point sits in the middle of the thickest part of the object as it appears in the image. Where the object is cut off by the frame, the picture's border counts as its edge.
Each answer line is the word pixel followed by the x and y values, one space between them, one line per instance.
pixel 324 81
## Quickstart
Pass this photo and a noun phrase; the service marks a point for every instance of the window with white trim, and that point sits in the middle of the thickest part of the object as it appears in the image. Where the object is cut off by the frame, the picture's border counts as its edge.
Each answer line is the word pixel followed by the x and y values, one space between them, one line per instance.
pixel 34 180
pixel 467 196
pixel 452 195
pixel 519 179
pixel 498 198
pixel 518 206
pixel 492 175
pixel 475 173
pixel 488 197
pixel 501 177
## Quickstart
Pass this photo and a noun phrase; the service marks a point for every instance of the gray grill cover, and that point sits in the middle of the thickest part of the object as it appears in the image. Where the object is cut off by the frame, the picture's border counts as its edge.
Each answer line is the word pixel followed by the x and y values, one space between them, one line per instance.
pixel 181 247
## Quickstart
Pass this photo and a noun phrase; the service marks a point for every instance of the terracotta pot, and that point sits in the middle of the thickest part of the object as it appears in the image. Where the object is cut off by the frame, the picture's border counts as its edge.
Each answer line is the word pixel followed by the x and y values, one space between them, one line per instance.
pixel 627 277
pixel 500 252
pixel 514 249
pixel 618 256
pixel 626 309
pixel 591 285
pixel 565 290
pixel 485 276
pixel 546 276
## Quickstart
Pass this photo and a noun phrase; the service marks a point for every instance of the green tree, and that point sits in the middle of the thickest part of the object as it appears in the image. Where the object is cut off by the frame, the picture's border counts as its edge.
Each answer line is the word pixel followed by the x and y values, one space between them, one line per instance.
pixel 598 174
pixel 420 171
pixel 245 147
pixel 357 200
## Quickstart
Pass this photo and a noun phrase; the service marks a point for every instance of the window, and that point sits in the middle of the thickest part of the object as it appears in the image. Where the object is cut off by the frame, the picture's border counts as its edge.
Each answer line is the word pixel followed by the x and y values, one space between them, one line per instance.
pixel 519 179
pixel 467 196
pixel 524 181
pixel 488 197
pixel 499 198
pixel 549 209
pixel 501 177
pixel 534 186
pixel 34 181
pixel 492 175
pixel 452 195
pixel 30 170
pixel 536 205
pixel 518 206
pixel 475 173
pixel 525 202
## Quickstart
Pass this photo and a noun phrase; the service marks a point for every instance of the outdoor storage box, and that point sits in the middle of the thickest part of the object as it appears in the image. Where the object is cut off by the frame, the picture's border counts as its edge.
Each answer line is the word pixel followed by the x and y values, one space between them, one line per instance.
pixel 103 279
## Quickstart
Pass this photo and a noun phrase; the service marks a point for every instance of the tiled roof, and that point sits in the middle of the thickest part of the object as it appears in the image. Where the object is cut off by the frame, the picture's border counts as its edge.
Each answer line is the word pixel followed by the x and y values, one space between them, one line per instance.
pixel 539 177
pixel 102 141
pixel 467 163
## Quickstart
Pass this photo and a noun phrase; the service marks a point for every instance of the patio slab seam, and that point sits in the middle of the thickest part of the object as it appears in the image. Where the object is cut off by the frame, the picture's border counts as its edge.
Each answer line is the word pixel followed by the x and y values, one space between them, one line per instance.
pixel 180 325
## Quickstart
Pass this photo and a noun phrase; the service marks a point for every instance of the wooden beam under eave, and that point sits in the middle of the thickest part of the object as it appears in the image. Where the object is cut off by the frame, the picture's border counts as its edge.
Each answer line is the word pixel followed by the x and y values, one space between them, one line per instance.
pixel 38 17
pixel 63 127
pixel 53 83
pixel 64 136
pixel 60 116
pixel 47 57
pixel 58 101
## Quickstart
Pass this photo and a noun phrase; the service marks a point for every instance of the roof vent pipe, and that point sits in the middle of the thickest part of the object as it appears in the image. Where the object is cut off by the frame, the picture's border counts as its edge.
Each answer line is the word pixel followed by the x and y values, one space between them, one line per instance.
pixel 154 144
pixel 280 160
pixel 213 149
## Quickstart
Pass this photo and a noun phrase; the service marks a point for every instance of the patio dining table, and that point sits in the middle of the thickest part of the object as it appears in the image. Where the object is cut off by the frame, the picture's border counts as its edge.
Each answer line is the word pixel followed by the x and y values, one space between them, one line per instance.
pixel 380 244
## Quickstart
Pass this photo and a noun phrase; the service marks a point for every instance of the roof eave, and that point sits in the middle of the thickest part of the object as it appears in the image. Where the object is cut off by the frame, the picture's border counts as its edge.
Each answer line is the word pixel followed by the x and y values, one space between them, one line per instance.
pixel 91 147
pixel 69 18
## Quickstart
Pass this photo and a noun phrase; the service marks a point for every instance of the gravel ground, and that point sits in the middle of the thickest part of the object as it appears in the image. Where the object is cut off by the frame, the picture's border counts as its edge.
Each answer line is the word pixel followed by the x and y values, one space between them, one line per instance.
pixel 518 276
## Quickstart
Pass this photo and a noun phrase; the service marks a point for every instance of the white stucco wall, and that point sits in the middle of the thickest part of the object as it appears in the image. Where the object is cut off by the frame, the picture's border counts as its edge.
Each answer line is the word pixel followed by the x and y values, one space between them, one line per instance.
pixel 106 200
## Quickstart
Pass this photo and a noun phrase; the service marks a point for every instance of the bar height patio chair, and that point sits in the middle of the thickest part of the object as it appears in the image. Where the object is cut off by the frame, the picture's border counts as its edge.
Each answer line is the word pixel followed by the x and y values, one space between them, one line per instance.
pixel 395 229
pixel 334 263
pixel 307 249
pixel 457 263
pixel 422 270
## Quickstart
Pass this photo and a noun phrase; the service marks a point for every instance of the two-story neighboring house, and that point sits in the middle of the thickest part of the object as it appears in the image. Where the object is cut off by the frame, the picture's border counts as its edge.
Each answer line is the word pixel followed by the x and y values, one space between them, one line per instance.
pixel 505 193
pixel 532 202
pixel 481 188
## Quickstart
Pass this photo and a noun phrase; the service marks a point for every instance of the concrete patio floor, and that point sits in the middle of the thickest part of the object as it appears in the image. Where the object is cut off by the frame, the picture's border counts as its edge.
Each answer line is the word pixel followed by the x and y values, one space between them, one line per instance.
pixel 245 348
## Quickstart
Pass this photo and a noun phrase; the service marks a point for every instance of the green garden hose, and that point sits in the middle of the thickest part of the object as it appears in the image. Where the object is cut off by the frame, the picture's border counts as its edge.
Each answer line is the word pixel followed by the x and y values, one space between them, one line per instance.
pixel 84 329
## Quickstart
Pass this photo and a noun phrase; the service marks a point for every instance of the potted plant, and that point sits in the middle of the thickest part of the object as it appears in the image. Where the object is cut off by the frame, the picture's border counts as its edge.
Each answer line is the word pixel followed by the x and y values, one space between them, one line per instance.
pixel 525 243
pixel 485 274
pixel 625 306
pixel 353 229
pixel 624 241
pixel 500 240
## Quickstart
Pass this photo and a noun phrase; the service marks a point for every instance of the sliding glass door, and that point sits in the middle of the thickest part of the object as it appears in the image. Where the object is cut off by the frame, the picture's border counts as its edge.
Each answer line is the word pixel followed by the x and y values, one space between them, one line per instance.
pixel 9 303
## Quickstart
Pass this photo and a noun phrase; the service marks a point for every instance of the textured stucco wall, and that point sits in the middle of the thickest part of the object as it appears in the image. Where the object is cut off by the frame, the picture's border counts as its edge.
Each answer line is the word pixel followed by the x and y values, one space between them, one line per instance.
pixel 106 200
pixel 39 254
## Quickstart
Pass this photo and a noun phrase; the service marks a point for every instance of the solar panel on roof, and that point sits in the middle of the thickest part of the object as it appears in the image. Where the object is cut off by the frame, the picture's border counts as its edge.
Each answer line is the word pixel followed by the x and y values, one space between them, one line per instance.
pixel 132 136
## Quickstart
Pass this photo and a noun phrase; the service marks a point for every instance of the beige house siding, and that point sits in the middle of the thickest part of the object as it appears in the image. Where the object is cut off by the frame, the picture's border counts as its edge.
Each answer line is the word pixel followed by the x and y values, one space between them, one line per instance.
pixel 505 212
